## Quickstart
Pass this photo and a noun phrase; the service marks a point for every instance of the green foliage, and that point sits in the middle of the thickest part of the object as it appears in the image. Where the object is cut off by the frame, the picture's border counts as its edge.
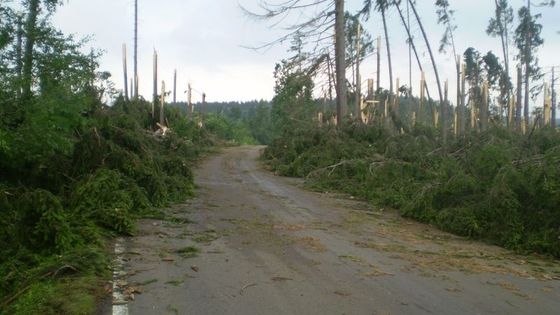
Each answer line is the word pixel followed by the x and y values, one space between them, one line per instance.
pixel 497 186
pixel 110 199
pixel 74 170
pixel 70 179
pixel 235 131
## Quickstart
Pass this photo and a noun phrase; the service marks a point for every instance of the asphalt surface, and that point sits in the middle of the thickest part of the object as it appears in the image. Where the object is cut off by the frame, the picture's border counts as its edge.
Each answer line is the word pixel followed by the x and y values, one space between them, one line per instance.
pixel 255 243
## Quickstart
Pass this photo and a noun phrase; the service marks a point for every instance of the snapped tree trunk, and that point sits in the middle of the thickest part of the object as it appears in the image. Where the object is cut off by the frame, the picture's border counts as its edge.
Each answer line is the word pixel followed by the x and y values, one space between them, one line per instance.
pixel 527 70
pixel 31 36
pixel 358 105
pixel 519 101
pixel 444 115
pixel 553 99
pixel 125 73
pixel 340 60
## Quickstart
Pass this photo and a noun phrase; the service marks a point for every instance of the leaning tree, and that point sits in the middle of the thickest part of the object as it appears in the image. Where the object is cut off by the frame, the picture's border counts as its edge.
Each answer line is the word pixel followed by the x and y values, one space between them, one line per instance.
pixel 317 30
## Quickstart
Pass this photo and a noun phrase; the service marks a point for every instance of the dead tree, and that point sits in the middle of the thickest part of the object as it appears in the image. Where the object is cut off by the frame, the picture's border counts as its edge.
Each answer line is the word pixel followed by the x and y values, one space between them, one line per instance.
pixel 125 72
pixel 135 49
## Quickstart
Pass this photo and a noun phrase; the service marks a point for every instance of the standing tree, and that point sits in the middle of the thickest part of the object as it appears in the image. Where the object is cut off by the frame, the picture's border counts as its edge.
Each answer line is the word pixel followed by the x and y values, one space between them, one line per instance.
pixel 30 29
pixel 135 79
pixel 359 45
pixel 326 14
pixel 500 26
pixel 382 6
pixel 528 40
pixel 445 16
pixel 340 42
pixel 478 70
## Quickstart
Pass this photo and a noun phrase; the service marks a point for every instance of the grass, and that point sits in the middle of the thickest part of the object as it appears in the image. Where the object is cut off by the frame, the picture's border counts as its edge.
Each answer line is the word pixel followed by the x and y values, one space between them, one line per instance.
pixel 188 252
pixel 206 236
pixel 69 296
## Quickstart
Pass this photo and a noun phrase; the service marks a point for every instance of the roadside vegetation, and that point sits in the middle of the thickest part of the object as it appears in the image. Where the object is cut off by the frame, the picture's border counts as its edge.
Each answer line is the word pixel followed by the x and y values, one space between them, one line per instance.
pixel 76 172
pixel 497 185
pixel 485 167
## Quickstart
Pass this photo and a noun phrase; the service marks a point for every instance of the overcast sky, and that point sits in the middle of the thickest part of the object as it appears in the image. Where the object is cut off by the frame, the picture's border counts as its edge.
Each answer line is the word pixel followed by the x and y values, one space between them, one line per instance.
pixel 204 39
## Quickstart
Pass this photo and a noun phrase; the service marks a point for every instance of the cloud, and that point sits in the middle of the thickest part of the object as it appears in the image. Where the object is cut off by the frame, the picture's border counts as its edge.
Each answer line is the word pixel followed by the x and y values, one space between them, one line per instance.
pixel 203 39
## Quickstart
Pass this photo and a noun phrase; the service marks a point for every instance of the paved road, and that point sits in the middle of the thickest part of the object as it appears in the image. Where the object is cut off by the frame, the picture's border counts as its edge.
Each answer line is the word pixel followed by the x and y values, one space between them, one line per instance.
pixel 264 245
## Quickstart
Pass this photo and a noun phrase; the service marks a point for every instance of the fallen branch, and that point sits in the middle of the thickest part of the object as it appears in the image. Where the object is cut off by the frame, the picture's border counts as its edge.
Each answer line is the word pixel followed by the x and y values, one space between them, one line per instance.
pixel 24 289
pixel 245 287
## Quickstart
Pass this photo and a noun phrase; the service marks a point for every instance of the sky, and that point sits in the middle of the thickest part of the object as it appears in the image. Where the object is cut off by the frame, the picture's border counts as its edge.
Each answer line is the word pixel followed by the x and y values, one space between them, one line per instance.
pixel 206 40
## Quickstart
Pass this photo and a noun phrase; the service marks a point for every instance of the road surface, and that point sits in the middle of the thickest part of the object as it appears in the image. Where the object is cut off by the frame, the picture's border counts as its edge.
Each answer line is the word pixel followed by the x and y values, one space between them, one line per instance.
pixel 254 243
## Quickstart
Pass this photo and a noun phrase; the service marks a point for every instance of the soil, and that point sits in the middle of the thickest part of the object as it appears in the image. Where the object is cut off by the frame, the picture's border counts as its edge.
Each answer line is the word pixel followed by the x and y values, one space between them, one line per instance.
pixel 255 243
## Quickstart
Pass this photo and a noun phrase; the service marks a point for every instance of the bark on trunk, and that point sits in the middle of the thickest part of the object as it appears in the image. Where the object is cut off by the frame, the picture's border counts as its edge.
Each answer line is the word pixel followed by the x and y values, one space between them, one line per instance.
pixel 504 40
pixel 413 45
pixel 390 65
pixel 519 101
pixel 31 35
pixel 429 49
pixel 358 105
pixel 135 92
pixel 340 60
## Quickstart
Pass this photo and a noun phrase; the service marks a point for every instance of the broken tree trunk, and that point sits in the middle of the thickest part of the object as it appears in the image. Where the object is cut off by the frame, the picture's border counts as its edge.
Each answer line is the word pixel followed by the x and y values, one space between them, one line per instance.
pixel 125 72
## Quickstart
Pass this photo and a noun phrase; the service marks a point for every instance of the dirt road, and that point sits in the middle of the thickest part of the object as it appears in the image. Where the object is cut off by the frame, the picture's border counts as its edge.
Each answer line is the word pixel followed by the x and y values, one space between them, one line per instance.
pixel 254 243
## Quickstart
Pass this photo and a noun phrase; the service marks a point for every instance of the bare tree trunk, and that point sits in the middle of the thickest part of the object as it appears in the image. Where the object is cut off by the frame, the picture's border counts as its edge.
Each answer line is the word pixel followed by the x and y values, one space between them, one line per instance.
pixel 190 109
pixel 519 101
pixel 458 104
pixel 31 35
pixel 378 63
pixel 444 119
pixel 135 50
pixel 484 107
pixel 462 109
pixel 19 54
pixel 162 104
pixel 358 105
pixel 429 49
pixel 553 101
pixel 526 100
pixel 340 60
pixel 527 70
pixel 505 44
pixel 125 73
pixel 388 54
pixel 407 26
pixel 330 74
pixel 155 91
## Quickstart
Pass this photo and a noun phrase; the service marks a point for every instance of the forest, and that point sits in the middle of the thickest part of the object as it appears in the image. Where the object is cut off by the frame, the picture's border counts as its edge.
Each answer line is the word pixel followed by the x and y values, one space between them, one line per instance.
pixel 81 161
